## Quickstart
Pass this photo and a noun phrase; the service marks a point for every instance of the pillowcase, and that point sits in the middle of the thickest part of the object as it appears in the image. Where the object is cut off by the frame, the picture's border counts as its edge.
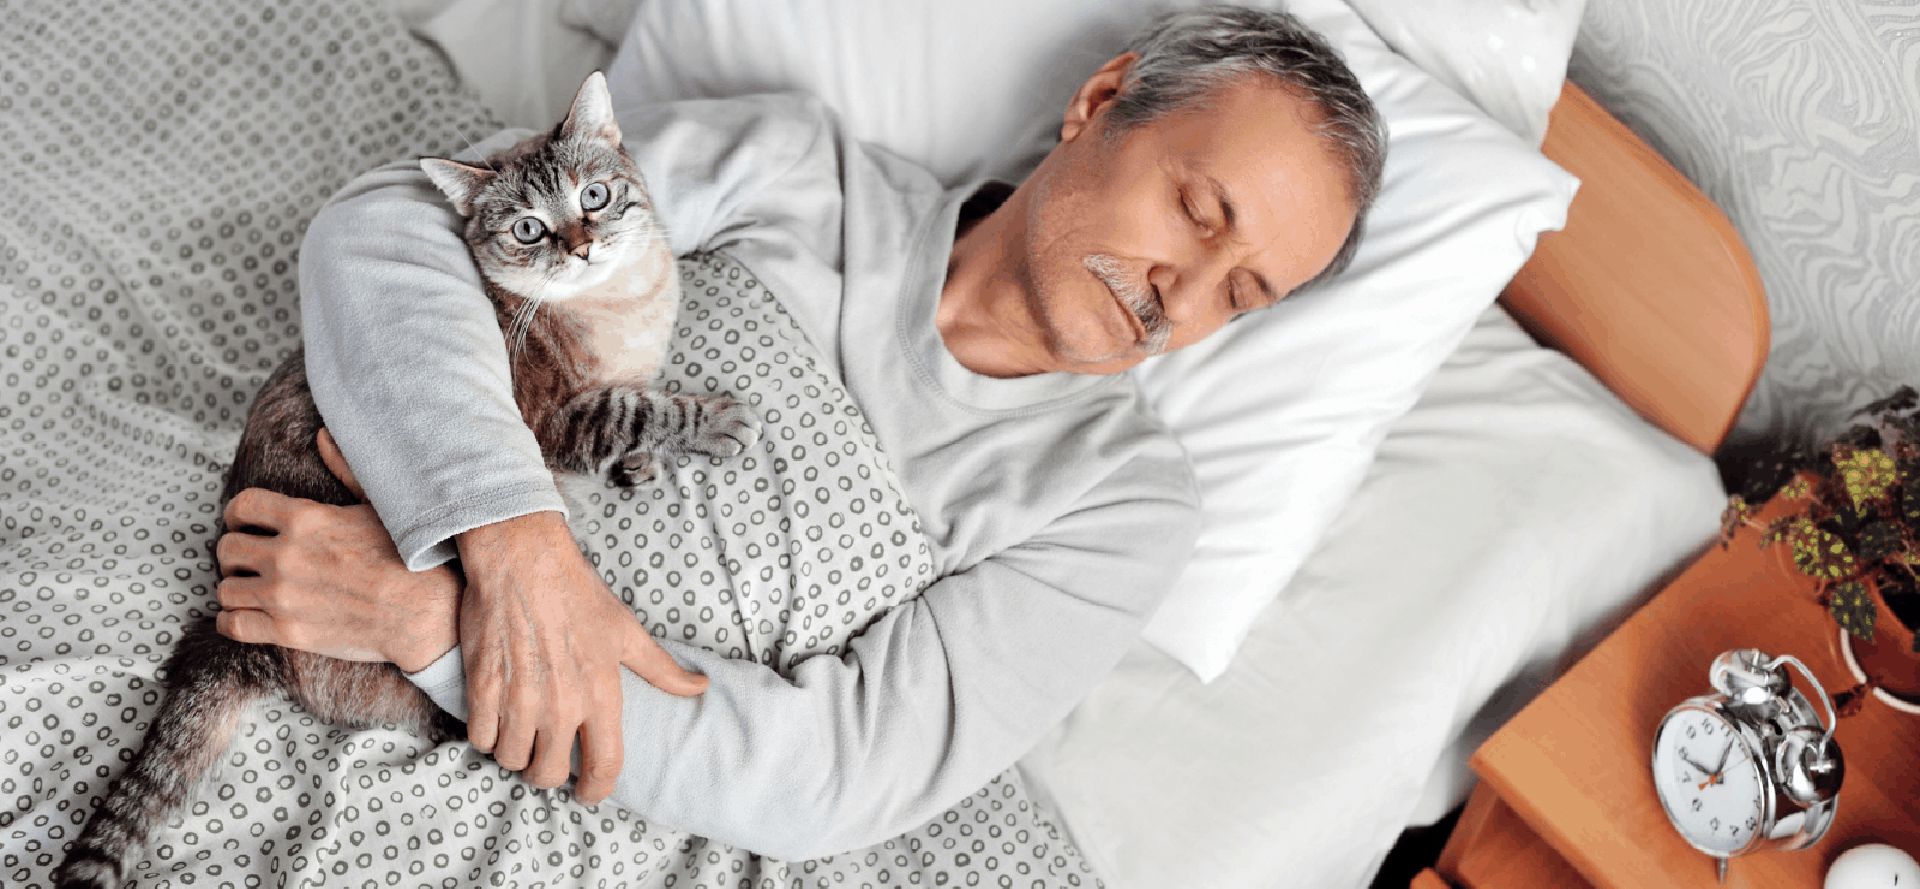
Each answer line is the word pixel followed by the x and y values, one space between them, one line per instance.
pixel 1508 56
pixel 1281 412
pixel 1513 515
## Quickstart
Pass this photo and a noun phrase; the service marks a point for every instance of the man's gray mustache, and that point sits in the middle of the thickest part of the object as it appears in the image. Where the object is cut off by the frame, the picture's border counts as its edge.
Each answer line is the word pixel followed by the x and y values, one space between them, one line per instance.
pixel 1137 297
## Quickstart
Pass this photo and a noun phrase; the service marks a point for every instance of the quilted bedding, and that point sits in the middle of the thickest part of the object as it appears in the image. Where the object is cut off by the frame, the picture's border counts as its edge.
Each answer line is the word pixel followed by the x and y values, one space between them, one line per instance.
pixel 166 157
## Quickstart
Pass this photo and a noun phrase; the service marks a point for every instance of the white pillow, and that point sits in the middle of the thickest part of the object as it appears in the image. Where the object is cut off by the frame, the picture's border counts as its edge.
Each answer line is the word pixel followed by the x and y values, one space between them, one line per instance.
pixel 1516 511
pixel 1281 413
pixel 1508 56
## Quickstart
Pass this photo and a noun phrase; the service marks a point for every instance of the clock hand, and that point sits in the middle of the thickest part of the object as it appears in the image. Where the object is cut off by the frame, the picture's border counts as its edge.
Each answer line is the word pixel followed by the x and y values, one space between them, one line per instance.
pixel 1719 777
pixel 1714 776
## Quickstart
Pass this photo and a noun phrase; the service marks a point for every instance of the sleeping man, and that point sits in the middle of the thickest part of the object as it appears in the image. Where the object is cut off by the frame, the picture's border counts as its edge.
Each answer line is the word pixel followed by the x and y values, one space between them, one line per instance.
pixel 1222 163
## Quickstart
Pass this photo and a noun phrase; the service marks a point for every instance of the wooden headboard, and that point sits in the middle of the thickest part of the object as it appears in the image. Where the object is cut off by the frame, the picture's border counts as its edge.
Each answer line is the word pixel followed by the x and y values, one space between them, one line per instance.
pixel 1649 287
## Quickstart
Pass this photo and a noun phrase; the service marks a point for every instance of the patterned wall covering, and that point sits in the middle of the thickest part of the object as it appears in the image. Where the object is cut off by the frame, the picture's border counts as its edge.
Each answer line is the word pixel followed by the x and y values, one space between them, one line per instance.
pixel 1802 119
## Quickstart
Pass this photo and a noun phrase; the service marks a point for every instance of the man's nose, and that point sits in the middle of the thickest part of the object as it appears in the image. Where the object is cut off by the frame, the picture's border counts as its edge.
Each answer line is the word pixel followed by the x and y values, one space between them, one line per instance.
pixel 1167 283
pixel 1183 290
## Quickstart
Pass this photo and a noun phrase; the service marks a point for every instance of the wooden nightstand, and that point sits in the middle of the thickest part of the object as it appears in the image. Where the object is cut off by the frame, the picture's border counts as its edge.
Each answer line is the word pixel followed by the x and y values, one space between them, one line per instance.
pixel 1565 799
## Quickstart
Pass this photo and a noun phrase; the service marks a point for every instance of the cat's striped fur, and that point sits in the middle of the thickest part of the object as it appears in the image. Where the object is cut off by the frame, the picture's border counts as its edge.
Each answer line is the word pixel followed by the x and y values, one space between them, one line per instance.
pixel 588 310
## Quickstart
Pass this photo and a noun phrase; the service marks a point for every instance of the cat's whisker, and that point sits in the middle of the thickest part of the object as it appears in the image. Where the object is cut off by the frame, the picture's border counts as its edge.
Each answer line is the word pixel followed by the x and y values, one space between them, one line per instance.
pixel 521 323
pixel 485 163
pixel 523 319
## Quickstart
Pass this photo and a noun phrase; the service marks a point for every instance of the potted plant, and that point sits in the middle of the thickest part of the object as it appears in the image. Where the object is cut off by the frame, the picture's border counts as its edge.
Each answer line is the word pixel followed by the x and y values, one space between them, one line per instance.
pixel 1855 528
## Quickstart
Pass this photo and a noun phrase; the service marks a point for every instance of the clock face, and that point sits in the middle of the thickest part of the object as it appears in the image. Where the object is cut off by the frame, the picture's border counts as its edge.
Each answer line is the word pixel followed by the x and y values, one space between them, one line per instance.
pixel 1712 788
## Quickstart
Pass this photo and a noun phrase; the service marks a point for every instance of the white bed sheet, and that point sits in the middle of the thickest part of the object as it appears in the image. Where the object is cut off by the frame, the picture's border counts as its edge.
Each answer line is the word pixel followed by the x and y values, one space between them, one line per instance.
pixel 1517 511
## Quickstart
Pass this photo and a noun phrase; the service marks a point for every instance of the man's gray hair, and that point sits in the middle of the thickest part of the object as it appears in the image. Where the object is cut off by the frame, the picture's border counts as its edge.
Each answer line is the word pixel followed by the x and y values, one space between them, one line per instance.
pixel 1186 55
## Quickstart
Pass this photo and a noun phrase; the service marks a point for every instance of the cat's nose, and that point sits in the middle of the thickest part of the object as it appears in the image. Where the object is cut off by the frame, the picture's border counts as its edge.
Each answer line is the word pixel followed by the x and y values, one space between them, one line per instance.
pixel 578 242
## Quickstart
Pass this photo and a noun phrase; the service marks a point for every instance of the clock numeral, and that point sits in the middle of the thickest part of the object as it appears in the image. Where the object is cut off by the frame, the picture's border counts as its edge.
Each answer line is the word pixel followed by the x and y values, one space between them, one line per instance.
pixel 1714 824
pixel 1696 808
pixel 1692 733
pixel 1753 823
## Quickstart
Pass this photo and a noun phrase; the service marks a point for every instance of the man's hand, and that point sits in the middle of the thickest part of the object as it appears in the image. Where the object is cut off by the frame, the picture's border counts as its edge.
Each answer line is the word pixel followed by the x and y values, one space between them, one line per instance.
pixel 327 579
pixel 543 640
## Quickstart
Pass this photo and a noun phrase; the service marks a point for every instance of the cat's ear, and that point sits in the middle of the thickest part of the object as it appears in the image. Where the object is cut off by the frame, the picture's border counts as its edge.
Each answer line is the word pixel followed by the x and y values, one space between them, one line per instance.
pixel 591 115
pixel 461 182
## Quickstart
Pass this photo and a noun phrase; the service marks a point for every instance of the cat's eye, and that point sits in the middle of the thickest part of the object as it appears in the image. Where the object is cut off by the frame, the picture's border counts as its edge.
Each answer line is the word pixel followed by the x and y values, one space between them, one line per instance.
pixel 594 196
pixel 528 230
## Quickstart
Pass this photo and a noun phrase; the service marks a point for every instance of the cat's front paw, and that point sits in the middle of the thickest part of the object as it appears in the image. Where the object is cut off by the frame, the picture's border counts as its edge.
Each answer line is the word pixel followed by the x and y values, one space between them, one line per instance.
pixel 727 429
pixel 633 470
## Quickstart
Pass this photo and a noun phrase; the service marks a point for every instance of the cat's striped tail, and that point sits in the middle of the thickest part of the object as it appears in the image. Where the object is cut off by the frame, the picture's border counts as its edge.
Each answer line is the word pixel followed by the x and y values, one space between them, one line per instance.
pixel 211 680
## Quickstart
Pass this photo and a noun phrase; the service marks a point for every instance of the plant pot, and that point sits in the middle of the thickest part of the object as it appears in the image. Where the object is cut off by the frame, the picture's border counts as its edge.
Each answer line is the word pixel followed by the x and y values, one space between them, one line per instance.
pixel 1889 662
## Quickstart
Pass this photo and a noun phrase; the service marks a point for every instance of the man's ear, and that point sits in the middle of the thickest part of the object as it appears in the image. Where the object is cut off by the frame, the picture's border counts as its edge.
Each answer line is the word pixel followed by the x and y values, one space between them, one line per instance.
pixel 460 182
pixel 591 115
pixel 1097 93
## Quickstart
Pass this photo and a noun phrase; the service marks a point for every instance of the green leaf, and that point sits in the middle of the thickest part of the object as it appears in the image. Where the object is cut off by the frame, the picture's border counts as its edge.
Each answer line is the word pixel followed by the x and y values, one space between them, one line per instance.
pixel 1877 541
pixel 1819 553
pixel 1852 609
pixel 1847 520
pixel 1733 517
pixel 1908 511
pixel 1868 474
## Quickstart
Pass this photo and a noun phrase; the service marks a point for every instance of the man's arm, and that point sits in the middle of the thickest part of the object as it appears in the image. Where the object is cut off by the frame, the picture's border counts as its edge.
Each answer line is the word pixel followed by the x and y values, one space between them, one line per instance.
pixel 404 355
pixel 408 366
pixel 927 705
pixel 409 370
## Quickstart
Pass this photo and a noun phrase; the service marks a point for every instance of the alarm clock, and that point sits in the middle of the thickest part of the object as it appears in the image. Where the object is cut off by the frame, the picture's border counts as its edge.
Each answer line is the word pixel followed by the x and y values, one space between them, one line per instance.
pixel 1751 766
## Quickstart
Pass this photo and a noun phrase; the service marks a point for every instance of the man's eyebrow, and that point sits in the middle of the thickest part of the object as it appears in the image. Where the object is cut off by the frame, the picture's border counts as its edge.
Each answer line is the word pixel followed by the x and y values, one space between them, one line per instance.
pixel 1226 210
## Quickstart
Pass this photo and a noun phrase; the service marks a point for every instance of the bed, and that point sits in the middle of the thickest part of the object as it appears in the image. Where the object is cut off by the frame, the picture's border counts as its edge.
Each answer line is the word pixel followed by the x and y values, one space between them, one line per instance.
pixel 1347 716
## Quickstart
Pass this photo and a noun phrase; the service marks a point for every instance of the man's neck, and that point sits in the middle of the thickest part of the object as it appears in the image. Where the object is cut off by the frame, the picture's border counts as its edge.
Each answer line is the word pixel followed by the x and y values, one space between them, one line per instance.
pixel 984 318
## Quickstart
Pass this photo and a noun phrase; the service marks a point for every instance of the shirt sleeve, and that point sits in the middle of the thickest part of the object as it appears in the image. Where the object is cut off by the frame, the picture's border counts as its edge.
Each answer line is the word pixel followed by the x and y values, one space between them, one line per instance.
pixel 926 706
pixel 403 353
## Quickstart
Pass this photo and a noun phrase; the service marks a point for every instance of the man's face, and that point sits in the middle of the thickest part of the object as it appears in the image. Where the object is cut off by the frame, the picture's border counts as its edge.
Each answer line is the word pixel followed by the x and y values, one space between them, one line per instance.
pixel 1153 239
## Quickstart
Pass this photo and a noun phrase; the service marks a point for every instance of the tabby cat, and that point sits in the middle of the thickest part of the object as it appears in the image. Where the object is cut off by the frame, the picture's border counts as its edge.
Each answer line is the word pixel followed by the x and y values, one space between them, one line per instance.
pixel 561 220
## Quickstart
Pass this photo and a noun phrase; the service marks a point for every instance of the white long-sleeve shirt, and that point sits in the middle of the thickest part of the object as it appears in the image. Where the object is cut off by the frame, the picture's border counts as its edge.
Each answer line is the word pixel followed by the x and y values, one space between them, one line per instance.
pixel 1060 510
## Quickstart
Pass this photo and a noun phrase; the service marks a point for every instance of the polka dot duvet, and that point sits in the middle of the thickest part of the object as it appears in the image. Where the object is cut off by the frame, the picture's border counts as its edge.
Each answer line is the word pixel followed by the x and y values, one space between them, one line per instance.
pixel 167 155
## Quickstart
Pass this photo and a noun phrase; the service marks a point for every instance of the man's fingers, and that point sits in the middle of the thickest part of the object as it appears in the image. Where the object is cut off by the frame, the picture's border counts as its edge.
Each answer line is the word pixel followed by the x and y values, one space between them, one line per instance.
pixel 258 508
pixel 483 709
pixel 242 592
pixel 486 668
pixel 238 551
pixel 646 658
pixel 515 748
pixel 552 757
pixel 601 754
pixel 245 625
pixel 337 462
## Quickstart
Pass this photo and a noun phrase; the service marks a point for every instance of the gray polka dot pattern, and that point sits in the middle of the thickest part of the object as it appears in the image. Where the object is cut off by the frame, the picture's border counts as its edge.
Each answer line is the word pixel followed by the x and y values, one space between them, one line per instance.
pixel 781 553
pixel 165 156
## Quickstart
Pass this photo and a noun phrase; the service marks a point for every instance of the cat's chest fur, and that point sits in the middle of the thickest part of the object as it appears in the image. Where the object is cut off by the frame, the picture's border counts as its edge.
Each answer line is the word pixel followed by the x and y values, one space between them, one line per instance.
pixel 624 326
